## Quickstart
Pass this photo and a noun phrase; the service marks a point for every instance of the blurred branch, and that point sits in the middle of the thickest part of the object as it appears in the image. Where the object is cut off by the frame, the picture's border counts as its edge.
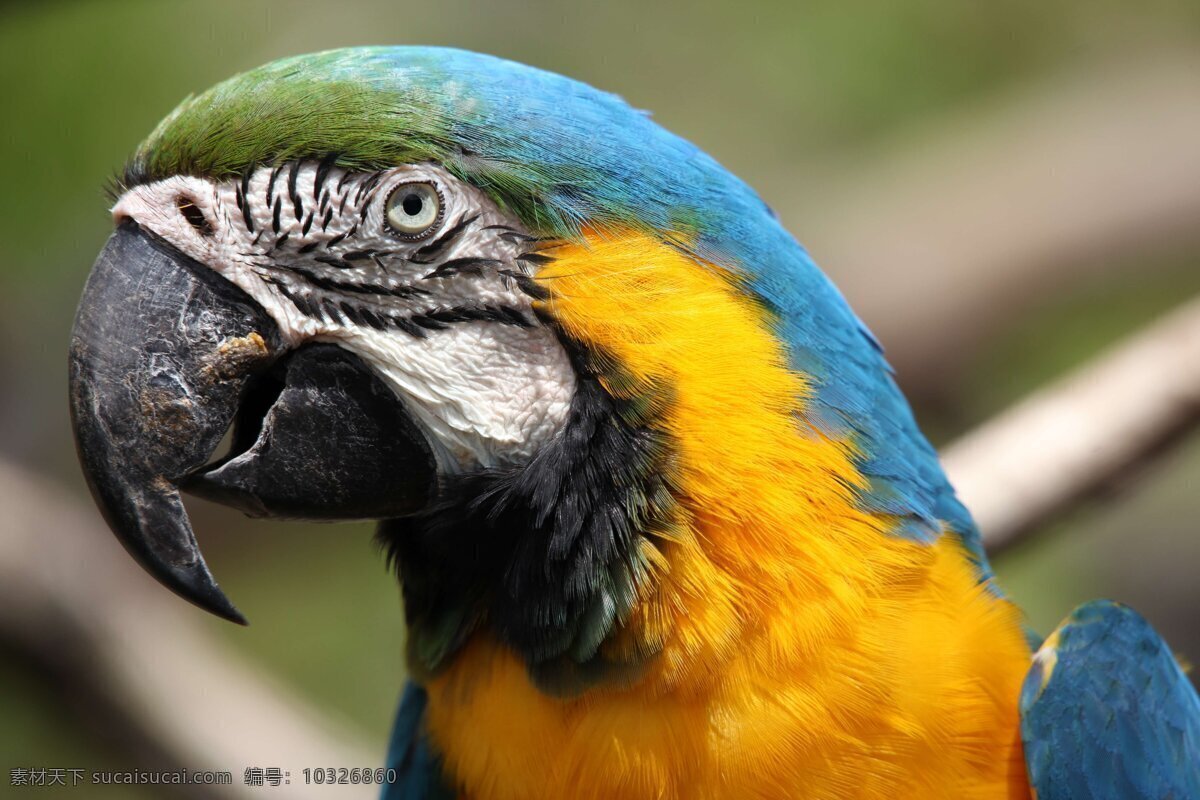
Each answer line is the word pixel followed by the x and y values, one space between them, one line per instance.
pixel 940 240
pixel 1078 436
pixel 73 600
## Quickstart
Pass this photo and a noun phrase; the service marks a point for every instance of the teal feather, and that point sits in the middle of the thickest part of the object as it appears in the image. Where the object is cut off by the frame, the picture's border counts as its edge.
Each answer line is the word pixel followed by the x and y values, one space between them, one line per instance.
pixel 1115 717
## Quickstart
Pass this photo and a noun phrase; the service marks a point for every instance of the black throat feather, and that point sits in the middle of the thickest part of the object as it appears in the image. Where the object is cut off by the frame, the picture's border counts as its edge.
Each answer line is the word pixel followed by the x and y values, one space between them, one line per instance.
pixel 548 557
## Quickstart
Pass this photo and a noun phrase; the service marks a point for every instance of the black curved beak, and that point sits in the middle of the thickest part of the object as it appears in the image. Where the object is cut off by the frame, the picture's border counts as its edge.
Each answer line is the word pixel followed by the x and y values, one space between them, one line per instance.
pixel 161 351
pixel 165 355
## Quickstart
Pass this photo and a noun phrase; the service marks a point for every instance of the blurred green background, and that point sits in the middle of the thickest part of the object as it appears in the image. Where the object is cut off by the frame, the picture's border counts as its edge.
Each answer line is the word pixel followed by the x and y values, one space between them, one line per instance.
pixel 799 98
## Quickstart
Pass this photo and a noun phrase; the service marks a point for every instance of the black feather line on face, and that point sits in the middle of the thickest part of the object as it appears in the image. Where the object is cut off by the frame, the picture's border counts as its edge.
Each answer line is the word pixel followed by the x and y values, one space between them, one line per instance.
pixel 331 310
pixel 471 265
pixel 322 173
pixel 293 193
pixel 270 193
pixel 416 324
pixel 372 319
pixel 243 200
pixel 368 184
pixel 514 236
pixel 430 252
pixel 548 556
pixel 406 325
pixel 303 304
pixel 334 261
pixel 536 259
pixel 526 284
pixel 334 285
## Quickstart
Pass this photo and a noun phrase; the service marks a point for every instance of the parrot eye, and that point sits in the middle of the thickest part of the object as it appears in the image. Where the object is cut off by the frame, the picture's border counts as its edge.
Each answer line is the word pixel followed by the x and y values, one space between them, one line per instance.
pixel 414 209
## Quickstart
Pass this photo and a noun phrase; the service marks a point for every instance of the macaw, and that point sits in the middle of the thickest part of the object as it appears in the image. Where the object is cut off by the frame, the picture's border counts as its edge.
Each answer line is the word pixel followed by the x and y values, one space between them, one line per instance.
pixel 664 524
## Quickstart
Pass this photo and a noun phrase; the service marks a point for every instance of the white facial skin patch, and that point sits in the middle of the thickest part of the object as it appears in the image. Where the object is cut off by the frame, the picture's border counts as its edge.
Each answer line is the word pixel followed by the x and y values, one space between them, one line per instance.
pixel 435 307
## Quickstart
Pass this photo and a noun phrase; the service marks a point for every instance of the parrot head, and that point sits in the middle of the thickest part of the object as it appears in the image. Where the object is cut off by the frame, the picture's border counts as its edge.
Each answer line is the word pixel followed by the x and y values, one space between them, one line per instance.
pixel 547 341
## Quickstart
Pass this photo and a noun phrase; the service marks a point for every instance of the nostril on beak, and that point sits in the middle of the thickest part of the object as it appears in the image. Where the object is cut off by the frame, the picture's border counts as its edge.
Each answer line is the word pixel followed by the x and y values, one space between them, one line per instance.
pixel 194 216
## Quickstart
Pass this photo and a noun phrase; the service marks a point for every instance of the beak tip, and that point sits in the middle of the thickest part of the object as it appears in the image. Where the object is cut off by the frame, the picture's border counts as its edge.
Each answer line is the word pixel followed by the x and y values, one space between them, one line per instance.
pixel 205 594
pixel 193 583
pixel 214 601
pixel 236 617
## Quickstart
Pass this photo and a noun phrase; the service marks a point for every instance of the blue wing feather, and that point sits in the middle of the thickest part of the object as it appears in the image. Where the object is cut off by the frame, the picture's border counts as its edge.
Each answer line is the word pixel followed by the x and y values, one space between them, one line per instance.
pixel 418 769
pixel 1106 712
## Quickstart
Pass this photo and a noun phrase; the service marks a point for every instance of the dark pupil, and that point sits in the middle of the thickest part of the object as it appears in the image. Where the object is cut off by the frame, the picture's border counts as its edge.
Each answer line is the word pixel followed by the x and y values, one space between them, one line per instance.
pixel 412 204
